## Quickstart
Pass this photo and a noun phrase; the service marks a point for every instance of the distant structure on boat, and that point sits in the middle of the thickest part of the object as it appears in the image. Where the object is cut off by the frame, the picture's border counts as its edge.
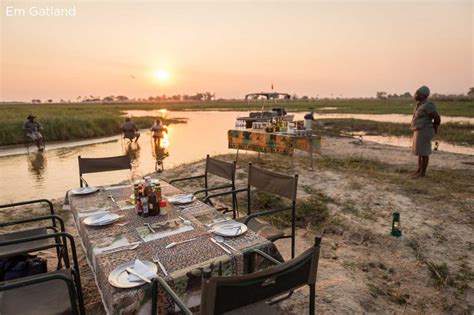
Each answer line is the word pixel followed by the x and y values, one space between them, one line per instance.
pixel 267 96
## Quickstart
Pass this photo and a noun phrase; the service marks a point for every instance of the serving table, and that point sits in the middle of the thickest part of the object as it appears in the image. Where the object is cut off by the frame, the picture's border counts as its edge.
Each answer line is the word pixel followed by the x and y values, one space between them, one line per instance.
pixel 283 143
pixel 181 262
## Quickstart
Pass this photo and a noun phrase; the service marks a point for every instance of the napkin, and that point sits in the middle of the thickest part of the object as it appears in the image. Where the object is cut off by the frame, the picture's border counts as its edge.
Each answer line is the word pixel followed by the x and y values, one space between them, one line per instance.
pixel 105 218
pixel 142 269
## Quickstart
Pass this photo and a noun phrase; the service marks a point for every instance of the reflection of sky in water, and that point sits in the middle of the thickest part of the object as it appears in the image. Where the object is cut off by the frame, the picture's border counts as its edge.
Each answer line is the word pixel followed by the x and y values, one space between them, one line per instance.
pixel 50 174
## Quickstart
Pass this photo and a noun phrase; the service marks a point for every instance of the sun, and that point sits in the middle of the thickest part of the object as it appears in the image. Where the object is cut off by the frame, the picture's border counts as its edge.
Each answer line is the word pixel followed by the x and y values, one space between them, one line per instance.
pixel 161 75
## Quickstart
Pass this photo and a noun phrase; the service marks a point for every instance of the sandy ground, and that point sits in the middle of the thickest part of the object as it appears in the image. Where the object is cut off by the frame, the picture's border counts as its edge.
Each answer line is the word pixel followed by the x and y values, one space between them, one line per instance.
pixel 362 268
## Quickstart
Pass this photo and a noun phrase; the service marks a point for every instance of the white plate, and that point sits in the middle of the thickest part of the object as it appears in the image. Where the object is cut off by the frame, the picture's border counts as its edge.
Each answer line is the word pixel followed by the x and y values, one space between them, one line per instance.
pixel 84 190
pixel 181 199
pixel 119 276
pixel 229 228
pixel 94 220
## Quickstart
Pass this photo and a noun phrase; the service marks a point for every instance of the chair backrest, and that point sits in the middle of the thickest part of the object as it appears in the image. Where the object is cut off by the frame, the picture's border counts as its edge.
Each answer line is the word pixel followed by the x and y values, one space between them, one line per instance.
pixel 220 168
pixel 223 294
pixel 276 183
pixel 96 165
pixel 106 164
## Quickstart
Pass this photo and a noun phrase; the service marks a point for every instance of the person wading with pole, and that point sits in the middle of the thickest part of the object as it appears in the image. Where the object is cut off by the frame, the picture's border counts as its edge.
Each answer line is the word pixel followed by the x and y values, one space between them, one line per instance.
pixel 424 124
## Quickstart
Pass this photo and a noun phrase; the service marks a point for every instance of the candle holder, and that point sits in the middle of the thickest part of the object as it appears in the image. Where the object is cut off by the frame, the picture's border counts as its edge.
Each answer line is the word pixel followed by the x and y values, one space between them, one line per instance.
pixel 396 226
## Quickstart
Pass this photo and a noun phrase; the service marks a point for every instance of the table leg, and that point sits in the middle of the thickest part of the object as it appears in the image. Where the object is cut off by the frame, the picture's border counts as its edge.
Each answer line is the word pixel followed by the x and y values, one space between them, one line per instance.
pixel 237 156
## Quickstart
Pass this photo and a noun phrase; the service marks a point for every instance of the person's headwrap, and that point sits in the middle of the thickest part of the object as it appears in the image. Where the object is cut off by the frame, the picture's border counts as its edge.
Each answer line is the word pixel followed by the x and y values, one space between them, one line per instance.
pixel 424 90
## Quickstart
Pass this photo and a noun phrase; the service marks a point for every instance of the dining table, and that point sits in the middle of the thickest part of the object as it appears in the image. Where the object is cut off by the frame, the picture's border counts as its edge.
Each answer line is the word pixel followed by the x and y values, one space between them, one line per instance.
pixel 133 237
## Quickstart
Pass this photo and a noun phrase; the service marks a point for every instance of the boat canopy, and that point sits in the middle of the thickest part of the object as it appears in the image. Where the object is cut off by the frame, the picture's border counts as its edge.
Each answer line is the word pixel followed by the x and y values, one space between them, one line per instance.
pixel 268 95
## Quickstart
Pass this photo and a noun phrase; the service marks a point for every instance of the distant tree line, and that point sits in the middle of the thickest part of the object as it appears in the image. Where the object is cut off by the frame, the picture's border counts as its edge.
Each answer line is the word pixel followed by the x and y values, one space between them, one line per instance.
pixel 450 97
pixel 208 96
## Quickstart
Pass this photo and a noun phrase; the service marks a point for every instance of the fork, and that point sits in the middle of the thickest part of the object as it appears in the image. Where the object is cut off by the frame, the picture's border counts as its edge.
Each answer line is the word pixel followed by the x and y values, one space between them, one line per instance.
pixel 156 260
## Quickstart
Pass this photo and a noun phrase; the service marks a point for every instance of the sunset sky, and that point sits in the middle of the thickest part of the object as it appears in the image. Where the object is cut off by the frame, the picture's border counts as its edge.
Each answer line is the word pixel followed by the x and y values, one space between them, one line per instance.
pixel 324 48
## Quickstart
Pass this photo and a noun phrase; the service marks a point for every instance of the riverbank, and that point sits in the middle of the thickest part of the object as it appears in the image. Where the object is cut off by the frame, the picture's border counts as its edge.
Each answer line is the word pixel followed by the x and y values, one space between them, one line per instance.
pixel 348 199
pixel 458 133
pixel 72 121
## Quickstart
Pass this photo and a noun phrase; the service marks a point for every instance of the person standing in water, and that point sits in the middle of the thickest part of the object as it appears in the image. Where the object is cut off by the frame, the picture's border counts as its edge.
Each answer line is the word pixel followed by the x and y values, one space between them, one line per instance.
pixel 424 124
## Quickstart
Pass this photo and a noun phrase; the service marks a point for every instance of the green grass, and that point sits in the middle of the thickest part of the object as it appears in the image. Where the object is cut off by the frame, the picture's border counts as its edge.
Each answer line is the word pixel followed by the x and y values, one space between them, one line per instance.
pixel 63 122
pixel 311 212
pixel 81 120
pixel 456 133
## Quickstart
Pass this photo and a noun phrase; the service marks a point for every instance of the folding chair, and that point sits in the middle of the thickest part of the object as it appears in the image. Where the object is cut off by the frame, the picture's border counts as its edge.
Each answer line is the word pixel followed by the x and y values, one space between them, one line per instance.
pixel 57 225
pixel 275 183
pixel 54 292
pixel 106 164
pixel 219 168
pixel 255 292
pixel 29 142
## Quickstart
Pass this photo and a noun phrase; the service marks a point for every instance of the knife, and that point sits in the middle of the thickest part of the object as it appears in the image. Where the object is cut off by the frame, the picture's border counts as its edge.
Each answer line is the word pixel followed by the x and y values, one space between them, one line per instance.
pixel 119 248
pixel 225 249
pixel 129 270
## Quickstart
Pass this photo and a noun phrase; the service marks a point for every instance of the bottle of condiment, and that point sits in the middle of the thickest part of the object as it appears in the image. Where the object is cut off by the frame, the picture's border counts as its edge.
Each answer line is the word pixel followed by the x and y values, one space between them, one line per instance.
pixel 163 207
pixel 158 192
pixel 139 205
pixel 153 204
pixel 144 201
pixel 135 190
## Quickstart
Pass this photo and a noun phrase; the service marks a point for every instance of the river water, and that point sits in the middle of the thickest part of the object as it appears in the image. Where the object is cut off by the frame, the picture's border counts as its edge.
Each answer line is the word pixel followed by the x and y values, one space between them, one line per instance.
pixel 50 173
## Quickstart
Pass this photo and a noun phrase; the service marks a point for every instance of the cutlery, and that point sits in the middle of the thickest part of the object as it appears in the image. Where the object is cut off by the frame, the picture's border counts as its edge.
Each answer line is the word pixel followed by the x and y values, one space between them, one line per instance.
pixel 238 230
pixel 111 197
pixel 221 240
pixel 191 207
pixel 173 244
pixel 120 248
pixel 186 222
pixel 218 244
pixel 130 270
pixel 226 228
pixel 149 227
pixel 156 260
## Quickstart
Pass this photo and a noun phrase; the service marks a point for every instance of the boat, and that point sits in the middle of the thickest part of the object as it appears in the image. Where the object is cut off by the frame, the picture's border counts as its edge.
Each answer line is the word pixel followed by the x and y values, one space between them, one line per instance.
pixel 266 116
